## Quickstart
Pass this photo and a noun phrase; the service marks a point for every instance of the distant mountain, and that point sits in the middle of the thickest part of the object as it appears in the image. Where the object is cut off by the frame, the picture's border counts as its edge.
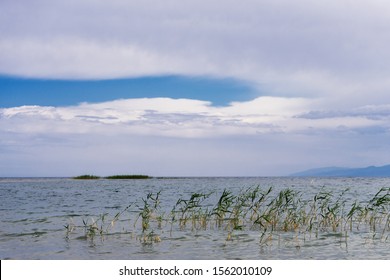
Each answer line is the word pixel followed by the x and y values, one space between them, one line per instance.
pixel 370 171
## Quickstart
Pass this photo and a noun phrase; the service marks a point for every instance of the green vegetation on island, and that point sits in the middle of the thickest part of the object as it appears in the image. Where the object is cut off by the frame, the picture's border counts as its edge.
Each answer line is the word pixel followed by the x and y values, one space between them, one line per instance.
pixel 86 177
pixel 113 177
pixel 128 177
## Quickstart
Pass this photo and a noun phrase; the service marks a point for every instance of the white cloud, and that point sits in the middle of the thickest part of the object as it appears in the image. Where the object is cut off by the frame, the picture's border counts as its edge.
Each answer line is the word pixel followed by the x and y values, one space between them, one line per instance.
pixel 190 118
pixel 158 116
pixel 163 136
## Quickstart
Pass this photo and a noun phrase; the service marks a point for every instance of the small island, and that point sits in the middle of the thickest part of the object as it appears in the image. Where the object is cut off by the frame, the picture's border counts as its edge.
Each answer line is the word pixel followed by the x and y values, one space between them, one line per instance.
pixel 113 177
pixel 128 177
pixel 86 177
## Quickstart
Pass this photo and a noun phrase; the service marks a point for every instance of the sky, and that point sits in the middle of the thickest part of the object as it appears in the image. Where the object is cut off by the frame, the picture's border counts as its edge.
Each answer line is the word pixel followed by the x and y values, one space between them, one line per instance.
pixel 193 88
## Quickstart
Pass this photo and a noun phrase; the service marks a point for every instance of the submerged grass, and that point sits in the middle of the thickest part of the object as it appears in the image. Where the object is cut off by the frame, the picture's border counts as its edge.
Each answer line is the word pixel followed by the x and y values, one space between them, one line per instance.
pixel 253 209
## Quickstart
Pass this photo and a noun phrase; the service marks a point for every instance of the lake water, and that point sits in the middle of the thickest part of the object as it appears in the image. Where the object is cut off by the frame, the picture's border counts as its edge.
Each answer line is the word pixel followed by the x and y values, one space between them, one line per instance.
pixel 35 211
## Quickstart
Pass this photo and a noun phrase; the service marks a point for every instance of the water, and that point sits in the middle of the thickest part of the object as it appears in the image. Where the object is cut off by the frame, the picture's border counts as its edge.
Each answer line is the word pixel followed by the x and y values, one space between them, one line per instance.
pixel 34 213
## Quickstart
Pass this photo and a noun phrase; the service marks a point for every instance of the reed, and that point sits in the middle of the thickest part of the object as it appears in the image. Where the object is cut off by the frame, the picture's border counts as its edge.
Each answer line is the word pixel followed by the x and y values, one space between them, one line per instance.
pixel 254 209
pixel 190 210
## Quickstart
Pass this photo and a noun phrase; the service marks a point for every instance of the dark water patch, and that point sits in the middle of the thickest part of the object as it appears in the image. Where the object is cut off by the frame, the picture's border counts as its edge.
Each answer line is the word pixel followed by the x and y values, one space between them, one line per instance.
pixel 82 237
pixel 16 221
pixel 114 207
pixel 71 215
pixel 33 234
pixel 179 238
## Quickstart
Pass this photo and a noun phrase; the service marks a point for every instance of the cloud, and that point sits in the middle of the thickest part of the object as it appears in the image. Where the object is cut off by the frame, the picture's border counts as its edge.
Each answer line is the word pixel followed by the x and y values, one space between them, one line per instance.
pixel 185 118
pixel 158 116
pixel 308 49
pixel 164 136
pixel 320 66
pixel 79 58
pixel 379 112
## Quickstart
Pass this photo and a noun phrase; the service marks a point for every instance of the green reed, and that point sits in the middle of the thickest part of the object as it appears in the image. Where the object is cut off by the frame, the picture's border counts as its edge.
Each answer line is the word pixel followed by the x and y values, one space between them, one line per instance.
pixel 192 210
pixel 253 209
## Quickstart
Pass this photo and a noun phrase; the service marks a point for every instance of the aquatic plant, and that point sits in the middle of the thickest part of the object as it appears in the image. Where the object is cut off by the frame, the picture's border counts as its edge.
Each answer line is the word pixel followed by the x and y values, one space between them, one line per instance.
pixel 254 209
pixel 190 209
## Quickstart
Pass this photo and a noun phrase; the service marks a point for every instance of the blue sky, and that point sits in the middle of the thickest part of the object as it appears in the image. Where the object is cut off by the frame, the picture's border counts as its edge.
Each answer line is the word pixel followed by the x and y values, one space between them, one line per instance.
pixel 17 91
pixel 169 88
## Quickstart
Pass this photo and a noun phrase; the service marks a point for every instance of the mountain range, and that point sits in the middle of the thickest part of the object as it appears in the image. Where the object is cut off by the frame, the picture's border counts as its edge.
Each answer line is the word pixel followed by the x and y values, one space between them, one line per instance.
pixel 370 171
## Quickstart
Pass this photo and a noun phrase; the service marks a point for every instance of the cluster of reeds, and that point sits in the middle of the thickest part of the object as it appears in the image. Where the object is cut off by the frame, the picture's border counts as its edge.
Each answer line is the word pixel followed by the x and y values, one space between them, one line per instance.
pixel 113 177
pixel 252 209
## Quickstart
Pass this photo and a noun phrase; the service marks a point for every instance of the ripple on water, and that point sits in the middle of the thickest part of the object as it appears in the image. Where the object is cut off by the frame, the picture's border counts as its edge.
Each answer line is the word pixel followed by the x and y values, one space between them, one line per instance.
pixel 34 212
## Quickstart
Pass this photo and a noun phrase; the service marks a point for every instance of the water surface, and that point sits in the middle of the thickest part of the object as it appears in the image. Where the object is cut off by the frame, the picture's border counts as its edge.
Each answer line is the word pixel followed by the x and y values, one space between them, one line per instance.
pixel 34 211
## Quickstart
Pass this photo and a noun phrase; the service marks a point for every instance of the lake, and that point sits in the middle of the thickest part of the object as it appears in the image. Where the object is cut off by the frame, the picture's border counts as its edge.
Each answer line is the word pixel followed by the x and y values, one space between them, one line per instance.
pixel 195 218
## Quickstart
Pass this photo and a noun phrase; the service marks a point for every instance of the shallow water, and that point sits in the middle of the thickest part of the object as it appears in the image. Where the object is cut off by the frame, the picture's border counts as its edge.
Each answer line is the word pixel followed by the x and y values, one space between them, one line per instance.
pixel 33 213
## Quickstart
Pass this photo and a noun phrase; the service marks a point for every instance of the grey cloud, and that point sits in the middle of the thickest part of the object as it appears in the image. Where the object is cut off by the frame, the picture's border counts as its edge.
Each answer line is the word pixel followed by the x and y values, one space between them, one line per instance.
pixel 174 118
pixel 315 115
pixel 369 112
pixel 95 118
pixel 373 130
